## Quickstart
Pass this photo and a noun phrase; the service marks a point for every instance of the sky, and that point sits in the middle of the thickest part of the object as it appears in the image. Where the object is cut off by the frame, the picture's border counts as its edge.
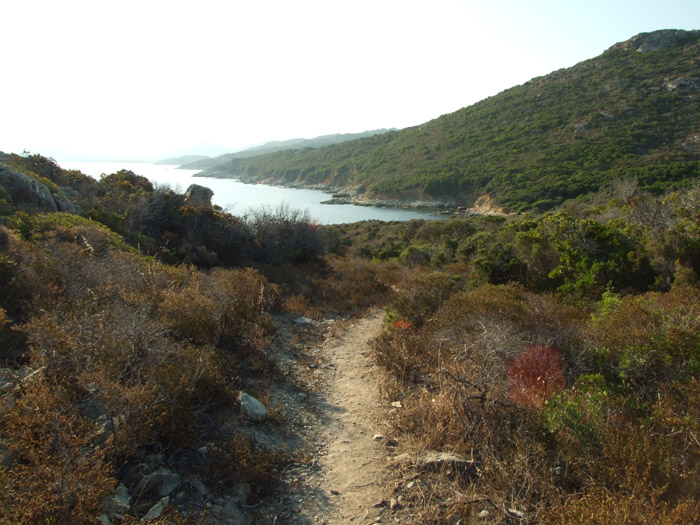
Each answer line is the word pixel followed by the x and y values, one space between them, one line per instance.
pixel 149 79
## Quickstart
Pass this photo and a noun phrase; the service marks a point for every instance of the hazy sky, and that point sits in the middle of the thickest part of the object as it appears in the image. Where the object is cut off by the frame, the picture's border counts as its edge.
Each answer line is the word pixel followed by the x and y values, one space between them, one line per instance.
pixel 149 78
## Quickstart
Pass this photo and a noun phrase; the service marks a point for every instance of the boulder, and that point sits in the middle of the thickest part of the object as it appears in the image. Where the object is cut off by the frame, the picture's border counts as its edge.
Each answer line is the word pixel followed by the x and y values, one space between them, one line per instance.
pixel 161 482
pixel 197 195
pixel 156 510
pixel 65 203
pixel 120 502
pixel 252 408
pixel 24 189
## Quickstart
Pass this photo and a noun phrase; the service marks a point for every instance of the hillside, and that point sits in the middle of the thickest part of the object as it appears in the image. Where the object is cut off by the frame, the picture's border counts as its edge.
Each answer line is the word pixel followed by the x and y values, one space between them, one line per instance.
pixel 184 159
pixel 632 112
pixel 280 145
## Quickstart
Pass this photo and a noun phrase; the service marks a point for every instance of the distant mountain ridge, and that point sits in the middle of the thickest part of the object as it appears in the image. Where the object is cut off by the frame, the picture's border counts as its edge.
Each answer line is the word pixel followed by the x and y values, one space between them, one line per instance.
pixel 632 112
pixel 179 161
pixel 271 147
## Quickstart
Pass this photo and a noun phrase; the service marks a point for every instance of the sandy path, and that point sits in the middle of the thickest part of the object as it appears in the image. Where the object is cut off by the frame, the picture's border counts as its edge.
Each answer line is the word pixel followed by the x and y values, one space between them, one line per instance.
pixel 344 479
pixel 355 461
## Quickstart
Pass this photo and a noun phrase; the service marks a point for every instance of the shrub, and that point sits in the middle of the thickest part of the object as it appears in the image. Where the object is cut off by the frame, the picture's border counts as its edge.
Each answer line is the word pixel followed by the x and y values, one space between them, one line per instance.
pixel 57 474
pixel 536 375
pixel 419 297
pixel 224 307
pixel 284 235
pixel 650 338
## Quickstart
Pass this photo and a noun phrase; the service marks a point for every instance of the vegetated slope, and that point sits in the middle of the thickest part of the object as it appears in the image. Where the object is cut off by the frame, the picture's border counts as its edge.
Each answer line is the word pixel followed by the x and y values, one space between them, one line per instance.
pixel 632 112
pixel 280 145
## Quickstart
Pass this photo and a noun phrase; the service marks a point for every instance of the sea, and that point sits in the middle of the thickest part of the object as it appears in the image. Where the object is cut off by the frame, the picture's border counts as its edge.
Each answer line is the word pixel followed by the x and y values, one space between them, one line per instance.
pixel 241 199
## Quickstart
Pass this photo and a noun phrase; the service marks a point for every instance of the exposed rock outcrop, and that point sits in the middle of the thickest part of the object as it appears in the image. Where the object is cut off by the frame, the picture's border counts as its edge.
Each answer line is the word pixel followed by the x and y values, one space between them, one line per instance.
pixel 658 40
pixel 197 195
pixel 23 189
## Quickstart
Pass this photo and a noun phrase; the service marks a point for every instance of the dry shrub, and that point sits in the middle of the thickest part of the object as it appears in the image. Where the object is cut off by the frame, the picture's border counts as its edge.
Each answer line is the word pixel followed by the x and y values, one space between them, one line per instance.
pixel 419 297
pixel 57 474
pixel 225 307
pixel 300 305
pixel 457 391
pixel 601 507
pixel 536 375
pixel 4 238
pixel 352 285
pixel 236 460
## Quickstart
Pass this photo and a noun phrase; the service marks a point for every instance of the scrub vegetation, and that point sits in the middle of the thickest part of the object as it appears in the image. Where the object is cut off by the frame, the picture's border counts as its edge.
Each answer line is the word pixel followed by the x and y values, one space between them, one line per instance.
pixel 557 351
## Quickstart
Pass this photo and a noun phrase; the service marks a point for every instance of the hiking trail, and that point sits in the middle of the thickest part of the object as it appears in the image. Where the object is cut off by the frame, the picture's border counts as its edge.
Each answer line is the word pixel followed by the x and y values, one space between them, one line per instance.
pixel 343 424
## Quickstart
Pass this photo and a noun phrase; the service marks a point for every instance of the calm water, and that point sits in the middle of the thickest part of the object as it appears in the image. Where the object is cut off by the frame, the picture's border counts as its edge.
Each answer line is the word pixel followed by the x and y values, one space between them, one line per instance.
pixel 239 198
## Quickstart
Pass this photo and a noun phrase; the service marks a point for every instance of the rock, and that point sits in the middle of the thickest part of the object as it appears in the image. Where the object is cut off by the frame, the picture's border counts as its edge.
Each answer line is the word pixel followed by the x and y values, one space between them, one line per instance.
pixel 197 195
pixel 252 408
pixel 396 404
pixel 454 519
pixel 8 457
pixel 120 502
pixel 687 84
pixel 104 519
pixel 201 487
pixel 64 202
pixel 105 430
pixel 161 482
pixel 304 321
pixel 378 437
pixel 658 40
pixel 400 459
pixel 156 510
pixel 438 460
pixel 231 513
pixel 26 190
pixel 394 504
pixel 242 493
pixel 514 513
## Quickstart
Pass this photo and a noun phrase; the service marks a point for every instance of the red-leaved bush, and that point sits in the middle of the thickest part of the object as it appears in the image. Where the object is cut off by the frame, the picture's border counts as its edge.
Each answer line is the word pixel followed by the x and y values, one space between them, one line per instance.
pixel 402 324
pixel 536 375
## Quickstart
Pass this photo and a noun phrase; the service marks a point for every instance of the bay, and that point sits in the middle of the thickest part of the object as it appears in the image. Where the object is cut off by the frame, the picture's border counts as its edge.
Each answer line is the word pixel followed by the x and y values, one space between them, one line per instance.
pixel 240 199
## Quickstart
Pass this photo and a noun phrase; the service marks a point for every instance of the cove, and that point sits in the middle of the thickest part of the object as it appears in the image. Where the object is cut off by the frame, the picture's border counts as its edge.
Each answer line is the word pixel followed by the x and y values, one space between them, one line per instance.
pixel 240 199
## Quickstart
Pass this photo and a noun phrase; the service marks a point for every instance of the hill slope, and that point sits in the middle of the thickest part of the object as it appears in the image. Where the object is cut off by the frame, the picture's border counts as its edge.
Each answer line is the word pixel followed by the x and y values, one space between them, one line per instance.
pixel 280 145
pixel 634 111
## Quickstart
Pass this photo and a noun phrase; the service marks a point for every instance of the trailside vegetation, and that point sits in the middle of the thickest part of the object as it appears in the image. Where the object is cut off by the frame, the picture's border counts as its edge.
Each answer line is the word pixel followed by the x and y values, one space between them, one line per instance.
pixel 559 354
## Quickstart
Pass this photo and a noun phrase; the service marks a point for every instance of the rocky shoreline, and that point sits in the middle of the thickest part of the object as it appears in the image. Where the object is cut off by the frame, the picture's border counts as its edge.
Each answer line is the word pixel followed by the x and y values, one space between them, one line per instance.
pixel 357 197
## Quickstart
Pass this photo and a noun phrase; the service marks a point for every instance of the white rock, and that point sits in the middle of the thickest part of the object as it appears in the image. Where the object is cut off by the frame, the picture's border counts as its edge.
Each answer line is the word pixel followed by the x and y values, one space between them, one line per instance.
pixel 253 408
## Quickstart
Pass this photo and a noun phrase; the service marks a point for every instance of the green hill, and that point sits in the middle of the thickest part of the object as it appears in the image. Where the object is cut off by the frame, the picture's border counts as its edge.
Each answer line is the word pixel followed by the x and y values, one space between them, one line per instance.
pixel 280 145
pixel 632 112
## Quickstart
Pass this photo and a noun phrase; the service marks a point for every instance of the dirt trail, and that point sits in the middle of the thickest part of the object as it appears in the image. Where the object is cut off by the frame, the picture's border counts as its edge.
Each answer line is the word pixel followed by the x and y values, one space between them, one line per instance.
pixel 343 424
